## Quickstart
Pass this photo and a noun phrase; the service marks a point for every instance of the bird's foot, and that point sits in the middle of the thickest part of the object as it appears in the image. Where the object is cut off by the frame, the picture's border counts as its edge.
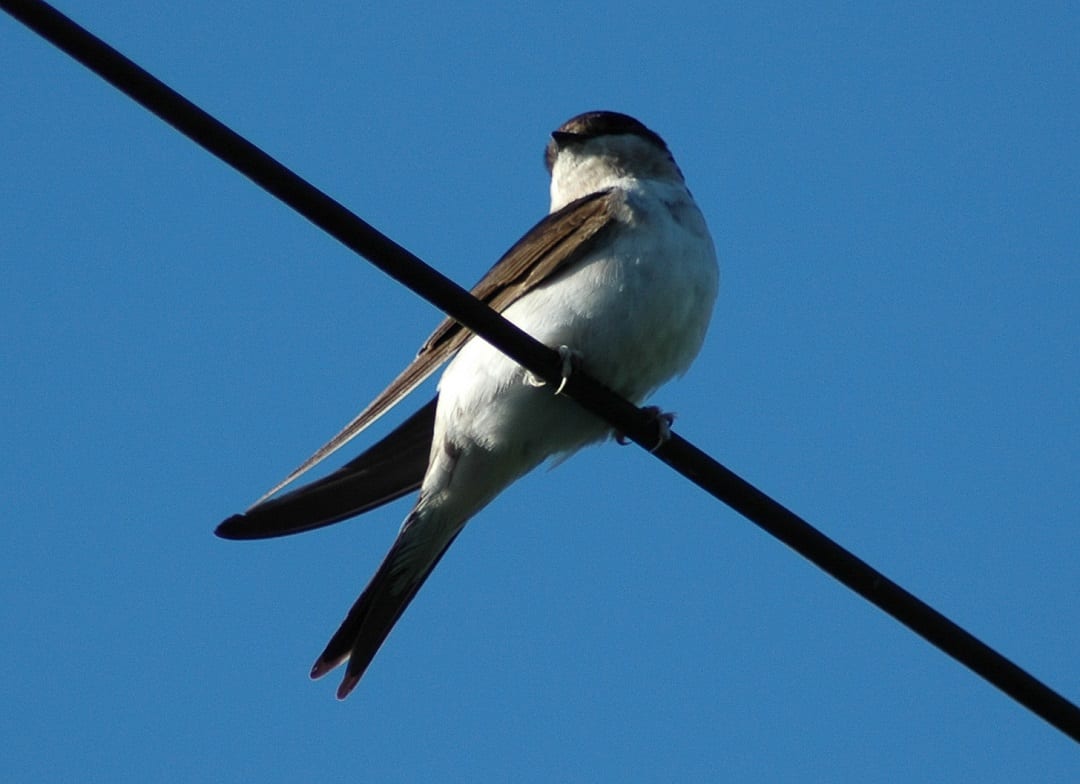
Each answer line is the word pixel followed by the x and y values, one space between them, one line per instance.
pixel 663 419
pixel 570 359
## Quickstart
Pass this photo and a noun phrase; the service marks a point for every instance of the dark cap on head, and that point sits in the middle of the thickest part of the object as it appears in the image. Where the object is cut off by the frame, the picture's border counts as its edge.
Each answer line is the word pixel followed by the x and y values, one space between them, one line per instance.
pixel 593 124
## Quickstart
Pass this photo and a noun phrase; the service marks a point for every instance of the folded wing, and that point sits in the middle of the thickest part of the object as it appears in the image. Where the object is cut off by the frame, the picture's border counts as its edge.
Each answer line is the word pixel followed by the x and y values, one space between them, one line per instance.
pixel 391 468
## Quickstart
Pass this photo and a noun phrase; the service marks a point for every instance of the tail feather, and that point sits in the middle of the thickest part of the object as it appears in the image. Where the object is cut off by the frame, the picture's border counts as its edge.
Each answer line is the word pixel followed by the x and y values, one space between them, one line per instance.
pixel 379 607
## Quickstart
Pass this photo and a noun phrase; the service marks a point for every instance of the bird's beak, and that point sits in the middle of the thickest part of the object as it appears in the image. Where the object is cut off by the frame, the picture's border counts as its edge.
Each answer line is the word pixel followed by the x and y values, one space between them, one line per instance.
pixel 563 139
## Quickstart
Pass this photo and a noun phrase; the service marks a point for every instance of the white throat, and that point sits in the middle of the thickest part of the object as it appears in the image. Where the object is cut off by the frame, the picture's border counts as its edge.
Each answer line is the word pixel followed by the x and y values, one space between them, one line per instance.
pixel 608 162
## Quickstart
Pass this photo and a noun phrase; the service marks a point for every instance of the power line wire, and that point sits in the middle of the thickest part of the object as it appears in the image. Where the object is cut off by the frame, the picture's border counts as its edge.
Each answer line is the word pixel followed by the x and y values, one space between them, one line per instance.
pixel 407 269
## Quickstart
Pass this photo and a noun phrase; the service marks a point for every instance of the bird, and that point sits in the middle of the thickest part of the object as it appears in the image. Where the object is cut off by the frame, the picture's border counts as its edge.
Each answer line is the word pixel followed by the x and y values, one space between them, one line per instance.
pixel 620 277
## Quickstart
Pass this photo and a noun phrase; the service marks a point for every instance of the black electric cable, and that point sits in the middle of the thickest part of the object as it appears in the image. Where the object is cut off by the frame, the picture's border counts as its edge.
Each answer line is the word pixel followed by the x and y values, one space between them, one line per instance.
pixel 407 269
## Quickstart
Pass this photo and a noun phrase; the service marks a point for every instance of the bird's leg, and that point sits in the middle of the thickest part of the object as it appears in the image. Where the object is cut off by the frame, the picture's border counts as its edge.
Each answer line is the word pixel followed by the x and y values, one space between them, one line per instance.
pixel 663 419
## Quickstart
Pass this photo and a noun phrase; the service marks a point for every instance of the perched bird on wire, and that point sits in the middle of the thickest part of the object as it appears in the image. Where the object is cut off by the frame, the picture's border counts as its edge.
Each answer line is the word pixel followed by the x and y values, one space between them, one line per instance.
pixel 620 277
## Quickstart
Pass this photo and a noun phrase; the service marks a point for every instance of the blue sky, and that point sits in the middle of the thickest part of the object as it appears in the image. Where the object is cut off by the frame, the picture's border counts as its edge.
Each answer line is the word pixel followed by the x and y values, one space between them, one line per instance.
pixel 895 197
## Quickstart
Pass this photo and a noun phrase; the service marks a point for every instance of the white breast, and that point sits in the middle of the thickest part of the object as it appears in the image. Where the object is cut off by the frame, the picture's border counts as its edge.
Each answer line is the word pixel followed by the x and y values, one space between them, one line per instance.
pixel 635 309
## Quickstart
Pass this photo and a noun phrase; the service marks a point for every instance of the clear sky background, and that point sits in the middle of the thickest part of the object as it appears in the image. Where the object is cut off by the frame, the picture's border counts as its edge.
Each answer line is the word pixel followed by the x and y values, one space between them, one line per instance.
pixel 895 355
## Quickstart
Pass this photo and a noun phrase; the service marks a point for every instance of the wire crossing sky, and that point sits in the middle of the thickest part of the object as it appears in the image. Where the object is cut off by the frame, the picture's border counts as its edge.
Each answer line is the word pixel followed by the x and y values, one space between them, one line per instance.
pixel 1062 705
pixel 691 462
